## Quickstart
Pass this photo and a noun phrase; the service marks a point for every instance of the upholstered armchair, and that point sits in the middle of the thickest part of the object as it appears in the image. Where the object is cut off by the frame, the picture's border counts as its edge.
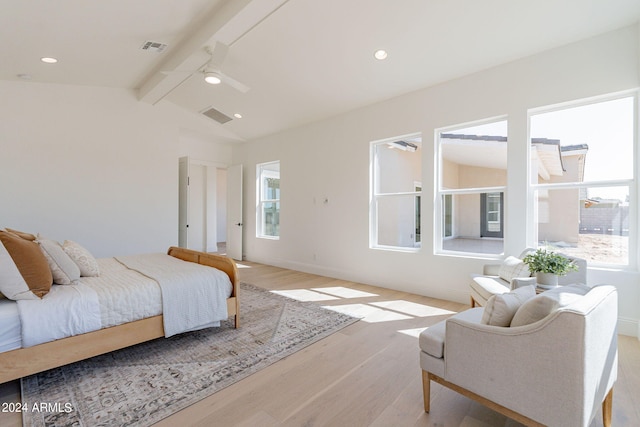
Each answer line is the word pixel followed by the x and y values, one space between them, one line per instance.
pixel 555 363
pixel 511 273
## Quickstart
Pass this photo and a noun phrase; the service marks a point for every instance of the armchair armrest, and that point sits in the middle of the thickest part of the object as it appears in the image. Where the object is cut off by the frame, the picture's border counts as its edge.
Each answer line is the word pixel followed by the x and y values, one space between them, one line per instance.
pixel 519 282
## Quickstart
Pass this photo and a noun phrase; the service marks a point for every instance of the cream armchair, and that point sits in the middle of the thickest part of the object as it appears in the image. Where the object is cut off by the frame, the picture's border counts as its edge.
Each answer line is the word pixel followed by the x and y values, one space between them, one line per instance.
pixel 554 371
pixel 498 279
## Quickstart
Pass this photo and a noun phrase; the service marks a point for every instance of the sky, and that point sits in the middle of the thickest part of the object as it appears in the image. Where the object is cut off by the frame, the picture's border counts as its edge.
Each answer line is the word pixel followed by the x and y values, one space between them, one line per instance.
pixel 606 127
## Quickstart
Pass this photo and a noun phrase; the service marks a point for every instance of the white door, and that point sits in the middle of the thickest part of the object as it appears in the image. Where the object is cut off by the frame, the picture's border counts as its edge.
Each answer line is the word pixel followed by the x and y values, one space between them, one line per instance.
pixel 183 201
pixel 234 212
pixel 197 231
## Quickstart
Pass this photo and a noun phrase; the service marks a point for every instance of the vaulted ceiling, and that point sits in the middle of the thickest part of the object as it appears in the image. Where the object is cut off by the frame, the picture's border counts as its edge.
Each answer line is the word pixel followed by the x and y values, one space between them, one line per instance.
pixel 303 60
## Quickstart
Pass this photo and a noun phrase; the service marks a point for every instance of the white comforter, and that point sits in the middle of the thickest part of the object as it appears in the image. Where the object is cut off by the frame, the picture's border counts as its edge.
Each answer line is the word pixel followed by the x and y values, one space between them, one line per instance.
pixel 189 296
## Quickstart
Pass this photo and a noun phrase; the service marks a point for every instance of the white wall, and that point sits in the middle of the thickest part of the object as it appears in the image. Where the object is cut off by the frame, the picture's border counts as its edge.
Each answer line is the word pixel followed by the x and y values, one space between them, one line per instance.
pixel 331 159
pixel 92 165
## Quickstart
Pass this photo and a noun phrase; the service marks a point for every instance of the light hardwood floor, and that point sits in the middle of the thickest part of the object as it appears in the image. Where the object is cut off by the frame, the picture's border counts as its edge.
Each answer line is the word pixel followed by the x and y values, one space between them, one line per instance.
pixel 365 375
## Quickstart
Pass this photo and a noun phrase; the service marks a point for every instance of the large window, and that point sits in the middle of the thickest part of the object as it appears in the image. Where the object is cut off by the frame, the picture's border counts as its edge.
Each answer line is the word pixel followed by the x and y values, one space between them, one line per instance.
pixel 472 178
pixel 268 212
pixel 396 176
pixel 582 174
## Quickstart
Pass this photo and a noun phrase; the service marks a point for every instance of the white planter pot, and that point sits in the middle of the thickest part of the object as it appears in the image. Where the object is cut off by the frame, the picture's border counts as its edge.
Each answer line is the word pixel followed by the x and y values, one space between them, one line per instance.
pixel 547 280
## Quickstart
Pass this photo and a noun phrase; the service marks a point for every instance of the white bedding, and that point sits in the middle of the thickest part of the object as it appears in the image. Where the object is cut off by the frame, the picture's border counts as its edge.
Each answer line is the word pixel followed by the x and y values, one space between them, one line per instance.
pixel 120 295
pixel 65 311
pixel 10 337
pixel 119 301
pixel 193 296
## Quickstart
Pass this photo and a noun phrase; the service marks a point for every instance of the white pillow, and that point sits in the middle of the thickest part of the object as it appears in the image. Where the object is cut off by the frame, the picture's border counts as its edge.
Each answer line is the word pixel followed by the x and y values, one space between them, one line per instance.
pixel 83 259
pixel 501 308
pixel 513 267
pixel 12 284
pixel 64 270
pixel 542 305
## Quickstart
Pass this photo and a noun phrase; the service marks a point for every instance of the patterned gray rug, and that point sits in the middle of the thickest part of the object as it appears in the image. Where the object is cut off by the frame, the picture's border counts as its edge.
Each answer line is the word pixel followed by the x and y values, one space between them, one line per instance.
pixel 140 385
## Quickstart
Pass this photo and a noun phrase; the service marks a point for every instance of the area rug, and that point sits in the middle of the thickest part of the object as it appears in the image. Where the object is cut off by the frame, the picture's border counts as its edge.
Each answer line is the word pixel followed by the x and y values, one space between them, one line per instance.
pixel 143 384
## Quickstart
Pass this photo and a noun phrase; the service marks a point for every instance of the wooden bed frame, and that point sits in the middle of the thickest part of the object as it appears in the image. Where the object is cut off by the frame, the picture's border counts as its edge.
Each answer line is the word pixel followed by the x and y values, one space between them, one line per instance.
pixel 22 362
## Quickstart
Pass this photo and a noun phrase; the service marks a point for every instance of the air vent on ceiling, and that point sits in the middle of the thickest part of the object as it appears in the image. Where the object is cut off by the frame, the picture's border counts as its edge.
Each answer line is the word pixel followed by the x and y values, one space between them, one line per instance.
pixel 216 115
pixel 154 47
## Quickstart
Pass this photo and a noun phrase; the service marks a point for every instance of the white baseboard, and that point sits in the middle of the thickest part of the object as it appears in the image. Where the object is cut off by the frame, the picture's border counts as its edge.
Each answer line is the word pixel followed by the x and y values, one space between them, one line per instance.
pixel 630 327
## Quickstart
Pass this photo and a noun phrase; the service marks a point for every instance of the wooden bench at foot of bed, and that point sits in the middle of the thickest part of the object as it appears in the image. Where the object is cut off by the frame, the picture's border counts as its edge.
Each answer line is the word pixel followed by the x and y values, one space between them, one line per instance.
pixel 22 362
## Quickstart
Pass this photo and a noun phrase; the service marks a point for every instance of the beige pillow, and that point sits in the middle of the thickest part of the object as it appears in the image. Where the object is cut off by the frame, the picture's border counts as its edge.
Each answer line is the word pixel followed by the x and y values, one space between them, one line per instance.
pixel 501 308
pixel 83 259
pixel 24 271
pixel 63 269
pixel 513 267
pixel 542 305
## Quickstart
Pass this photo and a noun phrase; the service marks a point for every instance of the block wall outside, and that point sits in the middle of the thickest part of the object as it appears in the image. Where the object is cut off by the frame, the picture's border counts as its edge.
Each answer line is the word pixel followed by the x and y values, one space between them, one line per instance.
pixel 604 220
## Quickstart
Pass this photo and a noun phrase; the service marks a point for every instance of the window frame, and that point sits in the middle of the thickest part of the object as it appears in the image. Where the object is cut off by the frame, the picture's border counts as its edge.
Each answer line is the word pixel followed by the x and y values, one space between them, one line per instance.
pixel 261 174
pixel 631 183
pixel 375 197
pixel 441 192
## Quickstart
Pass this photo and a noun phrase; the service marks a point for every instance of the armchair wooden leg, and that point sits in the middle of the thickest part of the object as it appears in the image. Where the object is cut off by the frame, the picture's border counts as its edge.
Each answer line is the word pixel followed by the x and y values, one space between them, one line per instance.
pixel 473 302
pixel 607 409
pixel 426 390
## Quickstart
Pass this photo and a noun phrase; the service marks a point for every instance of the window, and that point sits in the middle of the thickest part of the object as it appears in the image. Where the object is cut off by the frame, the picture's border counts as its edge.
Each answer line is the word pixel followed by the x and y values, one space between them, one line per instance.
pixel 268 221
pixel 582 173
pixel 472 178
pixel 396 176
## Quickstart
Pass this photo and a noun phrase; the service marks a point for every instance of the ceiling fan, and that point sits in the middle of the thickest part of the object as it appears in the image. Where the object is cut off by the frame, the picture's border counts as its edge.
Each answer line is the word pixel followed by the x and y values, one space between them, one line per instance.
pixel 211 70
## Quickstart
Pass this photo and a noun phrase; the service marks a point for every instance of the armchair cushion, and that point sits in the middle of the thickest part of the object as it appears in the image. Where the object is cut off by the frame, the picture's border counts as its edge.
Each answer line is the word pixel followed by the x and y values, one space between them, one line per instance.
pixel 540 306
pixel 484 287
pixel 431 340
pixel 501 308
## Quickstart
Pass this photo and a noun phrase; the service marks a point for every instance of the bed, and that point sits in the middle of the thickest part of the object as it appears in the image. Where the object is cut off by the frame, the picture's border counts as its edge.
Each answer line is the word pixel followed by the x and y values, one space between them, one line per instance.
pixel 27 360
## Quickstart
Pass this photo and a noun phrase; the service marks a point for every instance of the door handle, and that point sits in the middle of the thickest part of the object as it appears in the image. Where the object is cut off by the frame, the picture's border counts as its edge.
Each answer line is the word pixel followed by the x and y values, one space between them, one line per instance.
pixel 239 224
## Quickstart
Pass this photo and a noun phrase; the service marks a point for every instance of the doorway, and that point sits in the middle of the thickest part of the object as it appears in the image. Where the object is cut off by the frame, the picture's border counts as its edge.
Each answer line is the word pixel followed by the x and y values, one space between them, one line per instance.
pixel 202 214
pixel 492 215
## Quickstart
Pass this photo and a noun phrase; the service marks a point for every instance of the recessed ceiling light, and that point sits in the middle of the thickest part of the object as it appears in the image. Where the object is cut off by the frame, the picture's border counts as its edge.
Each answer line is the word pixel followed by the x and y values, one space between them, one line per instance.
pixel 212 78
pixel 237 115
pixel 380 54
pixel 48 60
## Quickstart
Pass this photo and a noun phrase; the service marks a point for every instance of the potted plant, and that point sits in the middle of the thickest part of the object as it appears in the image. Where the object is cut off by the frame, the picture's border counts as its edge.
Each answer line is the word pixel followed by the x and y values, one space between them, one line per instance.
pixel 548 265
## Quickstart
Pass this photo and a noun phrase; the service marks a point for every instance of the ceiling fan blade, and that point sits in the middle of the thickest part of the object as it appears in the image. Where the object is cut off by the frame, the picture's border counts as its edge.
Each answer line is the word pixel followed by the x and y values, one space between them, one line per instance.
pixel 183 72
pixel 239 86
pixel 218 53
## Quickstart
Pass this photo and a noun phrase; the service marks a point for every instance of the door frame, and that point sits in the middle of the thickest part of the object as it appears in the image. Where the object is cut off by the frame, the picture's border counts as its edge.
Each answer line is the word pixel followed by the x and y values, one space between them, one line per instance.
pixel 210 226
pixel 484 229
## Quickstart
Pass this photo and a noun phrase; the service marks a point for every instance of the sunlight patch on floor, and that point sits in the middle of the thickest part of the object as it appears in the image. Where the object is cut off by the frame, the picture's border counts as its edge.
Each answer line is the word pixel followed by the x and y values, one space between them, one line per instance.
pixel 305 295
pixel 342 292
pixel 368 313
pixel 412 308
pixel 414 333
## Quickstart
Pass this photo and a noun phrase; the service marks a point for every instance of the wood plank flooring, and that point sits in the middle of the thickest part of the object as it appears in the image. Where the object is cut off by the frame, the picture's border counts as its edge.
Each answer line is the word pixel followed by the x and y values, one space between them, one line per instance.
pixel 365 375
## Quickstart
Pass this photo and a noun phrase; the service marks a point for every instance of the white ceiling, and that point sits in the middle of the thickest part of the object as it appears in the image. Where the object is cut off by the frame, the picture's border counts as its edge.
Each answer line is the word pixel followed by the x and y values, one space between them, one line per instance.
pixel 304 60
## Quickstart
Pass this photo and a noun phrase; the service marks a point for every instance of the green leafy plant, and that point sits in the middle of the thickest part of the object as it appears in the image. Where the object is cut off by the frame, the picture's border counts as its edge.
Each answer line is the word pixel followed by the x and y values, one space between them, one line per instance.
pixel 544 261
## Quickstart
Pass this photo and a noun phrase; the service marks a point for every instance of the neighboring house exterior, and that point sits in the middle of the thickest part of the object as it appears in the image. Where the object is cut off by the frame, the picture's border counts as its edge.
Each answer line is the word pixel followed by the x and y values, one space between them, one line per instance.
pixel 478 161
pixel 558 211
